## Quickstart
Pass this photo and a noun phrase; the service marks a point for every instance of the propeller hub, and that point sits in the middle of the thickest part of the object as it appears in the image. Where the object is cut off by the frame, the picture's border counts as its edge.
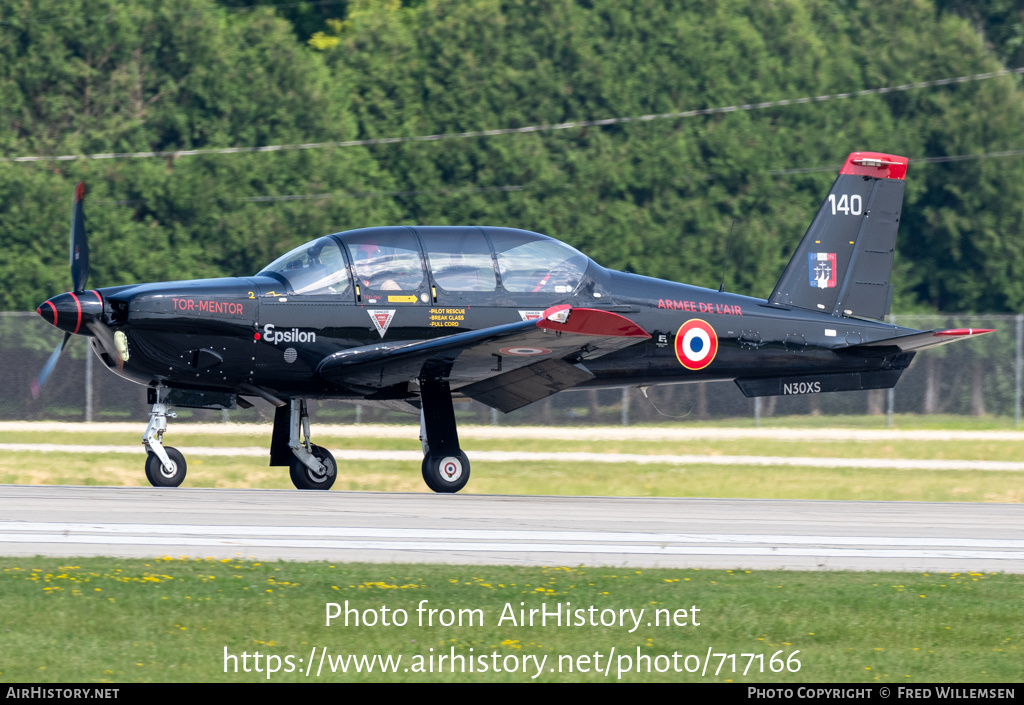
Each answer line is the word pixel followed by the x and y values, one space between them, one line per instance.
pixel 72 311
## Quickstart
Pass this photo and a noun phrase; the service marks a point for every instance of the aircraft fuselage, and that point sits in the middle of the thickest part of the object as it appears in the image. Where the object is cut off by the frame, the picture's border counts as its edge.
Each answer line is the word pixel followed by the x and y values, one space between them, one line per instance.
pixel 221 333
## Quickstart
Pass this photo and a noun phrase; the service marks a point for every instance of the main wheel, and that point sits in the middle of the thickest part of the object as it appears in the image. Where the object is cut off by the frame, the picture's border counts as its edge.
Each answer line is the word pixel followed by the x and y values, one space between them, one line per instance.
pixel 305 479
pixel 446 473
pixel 159 476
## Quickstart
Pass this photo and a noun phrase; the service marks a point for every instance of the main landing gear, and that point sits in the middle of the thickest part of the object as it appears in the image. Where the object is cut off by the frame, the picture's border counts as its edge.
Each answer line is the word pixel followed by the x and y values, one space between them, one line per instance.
pixel 311 467
pixel 445 466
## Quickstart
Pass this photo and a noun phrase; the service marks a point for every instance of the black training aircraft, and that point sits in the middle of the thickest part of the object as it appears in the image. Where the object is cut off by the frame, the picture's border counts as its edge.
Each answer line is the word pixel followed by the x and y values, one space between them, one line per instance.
pixel 405 317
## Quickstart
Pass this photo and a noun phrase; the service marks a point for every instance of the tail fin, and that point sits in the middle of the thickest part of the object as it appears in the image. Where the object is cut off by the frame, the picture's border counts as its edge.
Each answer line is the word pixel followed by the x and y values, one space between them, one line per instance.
pixel 843 265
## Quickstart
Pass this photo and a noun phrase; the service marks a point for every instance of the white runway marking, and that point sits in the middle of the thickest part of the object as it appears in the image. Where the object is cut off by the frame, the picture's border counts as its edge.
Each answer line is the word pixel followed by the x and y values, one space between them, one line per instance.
pixel 498 456
pixel 250 532
pixel 505 541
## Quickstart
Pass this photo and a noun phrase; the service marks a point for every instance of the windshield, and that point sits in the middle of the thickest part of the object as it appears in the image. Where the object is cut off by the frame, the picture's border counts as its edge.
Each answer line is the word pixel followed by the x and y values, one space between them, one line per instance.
pixel 318 267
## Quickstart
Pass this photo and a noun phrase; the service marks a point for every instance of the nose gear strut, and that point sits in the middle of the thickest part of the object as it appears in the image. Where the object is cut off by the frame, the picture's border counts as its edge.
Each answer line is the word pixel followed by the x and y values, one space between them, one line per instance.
pixel 165 466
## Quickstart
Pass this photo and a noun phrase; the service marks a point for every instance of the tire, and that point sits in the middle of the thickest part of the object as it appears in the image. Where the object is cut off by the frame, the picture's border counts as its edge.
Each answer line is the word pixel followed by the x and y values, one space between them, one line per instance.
pixel 158 475
pixel 446 473
pixel 305 479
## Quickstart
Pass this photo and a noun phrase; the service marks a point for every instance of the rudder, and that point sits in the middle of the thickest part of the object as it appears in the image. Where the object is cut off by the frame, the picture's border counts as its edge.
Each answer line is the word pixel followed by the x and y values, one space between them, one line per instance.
pixel 843 265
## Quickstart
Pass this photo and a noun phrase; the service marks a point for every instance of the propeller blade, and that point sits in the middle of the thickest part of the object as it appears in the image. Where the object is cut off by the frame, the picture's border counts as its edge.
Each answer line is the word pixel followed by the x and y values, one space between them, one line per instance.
pixel 51 362
pixel 79 241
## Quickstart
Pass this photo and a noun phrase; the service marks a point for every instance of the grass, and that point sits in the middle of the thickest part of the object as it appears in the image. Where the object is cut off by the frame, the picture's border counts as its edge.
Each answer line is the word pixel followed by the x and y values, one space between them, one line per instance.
pixel 543 478
pixel 174 619
pixel 95 620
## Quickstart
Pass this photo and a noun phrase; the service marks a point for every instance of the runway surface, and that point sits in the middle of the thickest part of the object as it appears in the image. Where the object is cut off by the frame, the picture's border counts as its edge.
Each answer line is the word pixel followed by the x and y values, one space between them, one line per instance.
pixel 514 530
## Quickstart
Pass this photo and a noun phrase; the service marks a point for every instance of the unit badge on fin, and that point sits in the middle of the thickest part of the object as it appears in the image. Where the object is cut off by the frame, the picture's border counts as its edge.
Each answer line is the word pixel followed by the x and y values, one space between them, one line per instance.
pixel 822 269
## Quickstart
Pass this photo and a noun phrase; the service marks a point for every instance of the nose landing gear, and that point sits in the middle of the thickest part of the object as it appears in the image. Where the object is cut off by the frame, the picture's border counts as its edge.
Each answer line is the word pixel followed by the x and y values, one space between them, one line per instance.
pixel 165 467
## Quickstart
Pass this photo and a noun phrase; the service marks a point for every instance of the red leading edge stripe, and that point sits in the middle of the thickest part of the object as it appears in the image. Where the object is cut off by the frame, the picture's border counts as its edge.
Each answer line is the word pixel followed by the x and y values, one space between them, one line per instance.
pixel 589 321
pixel 965 331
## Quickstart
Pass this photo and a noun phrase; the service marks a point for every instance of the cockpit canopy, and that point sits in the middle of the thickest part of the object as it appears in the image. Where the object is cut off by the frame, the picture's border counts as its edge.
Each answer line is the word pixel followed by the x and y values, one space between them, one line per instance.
pixel 410 260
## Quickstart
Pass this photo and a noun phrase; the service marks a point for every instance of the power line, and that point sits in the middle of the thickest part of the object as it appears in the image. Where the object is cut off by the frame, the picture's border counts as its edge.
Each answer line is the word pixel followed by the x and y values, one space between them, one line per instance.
pixel 964 157
pixel 916 160
pixel 110 15
pixel 344 194
pixel 492 189
pixel 374 194
pixel 520 130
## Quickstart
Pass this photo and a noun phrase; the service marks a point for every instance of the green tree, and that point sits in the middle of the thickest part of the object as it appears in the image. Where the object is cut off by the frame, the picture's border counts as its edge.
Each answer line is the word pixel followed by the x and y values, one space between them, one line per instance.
pixel 652 196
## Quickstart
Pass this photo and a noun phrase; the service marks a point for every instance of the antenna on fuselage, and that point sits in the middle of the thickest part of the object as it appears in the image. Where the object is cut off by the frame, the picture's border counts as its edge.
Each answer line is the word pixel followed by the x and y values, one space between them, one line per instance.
pixel 725 263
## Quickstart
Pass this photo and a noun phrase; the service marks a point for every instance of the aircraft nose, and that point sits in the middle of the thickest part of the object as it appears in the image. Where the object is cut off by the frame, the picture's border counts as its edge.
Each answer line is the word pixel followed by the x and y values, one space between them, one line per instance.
pixel 72 311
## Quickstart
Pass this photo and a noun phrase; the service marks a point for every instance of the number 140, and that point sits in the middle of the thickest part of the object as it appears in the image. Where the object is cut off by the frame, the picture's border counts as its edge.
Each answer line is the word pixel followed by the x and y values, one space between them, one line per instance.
pixel 847 205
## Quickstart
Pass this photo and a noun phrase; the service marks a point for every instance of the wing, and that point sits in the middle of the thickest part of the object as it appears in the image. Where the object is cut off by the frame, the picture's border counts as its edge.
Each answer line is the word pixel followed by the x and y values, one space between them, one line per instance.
pixel 505 366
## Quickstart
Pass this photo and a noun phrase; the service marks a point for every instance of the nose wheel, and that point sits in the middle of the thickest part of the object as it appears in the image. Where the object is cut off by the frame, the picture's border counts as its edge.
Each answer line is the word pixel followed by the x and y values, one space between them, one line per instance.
pixel 170 475
pixel 165 467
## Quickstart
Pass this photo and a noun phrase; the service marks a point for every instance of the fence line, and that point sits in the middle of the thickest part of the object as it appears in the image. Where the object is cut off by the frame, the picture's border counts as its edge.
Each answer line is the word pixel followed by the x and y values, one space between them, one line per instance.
pixel 982 377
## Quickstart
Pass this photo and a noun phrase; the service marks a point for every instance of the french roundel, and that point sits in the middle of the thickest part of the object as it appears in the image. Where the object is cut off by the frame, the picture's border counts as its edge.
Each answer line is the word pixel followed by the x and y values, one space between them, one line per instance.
pixel 696 344
pixel 521 350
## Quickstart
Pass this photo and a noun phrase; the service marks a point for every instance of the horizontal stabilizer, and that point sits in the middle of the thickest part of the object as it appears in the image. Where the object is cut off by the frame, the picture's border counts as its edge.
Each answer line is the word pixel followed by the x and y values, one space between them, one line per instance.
pixel 913 342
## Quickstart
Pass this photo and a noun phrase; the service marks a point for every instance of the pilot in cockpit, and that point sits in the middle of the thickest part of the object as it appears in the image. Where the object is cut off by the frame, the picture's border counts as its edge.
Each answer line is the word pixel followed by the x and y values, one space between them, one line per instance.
pixel 370 261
